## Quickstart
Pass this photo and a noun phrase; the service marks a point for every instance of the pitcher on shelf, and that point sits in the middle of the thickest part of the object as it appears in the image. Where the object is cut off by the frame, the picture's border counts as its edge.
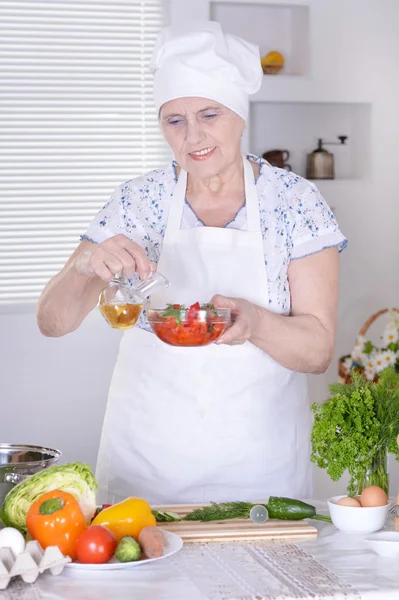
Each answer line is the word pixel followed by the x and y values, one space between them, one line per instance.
pixel 231 420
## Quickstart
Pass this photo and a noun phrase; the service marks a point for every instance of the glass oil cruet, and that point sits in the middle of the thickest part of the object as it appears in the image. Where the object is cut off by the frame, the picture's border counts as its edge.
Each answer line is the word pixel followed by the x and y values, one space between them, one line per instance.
pixel 121 301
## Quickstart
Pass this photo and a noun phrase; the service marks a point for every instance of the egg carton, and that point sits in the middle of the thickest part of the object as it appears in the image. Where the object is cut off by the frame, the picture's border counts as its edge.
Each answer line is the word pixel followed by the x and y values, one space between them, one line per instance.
pixel 30 563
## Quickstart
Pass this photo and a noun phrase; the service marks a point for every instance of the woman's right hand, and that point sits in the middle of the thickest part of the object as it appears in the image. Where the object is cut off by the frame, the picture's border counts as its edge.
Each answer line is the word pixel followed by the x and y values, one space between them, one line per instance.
pixel 112 256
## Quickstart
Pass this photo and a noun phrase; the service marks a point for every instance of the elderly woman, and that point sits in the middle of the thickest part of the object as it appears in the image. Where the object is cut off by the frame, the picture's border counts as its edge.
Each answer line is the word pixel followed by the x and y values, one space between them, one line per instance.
pixel 230 421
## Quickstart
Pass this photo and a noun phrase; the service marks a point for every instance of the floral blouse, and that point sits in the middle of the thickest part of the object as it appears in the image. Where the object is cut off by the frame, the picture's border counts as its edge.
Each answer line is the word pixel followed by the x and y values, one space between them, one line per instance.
pixel 295 221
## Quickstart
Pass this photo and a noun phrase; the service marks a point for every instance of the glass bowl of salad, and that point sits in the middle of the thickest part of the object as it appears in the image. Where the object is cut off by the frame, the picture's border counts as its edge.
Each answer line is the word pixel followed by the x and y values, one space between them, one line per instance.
pixel 196 325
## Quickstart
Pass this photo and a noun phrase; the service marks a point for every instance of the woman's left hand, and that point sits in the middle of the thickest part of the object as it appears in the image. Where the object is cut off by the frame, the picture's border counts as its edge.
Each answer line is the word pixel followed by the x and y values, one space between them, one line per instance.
pixel 244 315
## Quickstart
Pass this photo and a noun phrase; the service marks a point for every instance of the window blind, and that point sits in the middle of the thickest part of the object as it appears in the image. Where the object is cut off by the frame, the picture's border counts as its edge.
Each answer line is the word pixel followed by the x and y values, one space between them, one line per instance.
pixel 76 120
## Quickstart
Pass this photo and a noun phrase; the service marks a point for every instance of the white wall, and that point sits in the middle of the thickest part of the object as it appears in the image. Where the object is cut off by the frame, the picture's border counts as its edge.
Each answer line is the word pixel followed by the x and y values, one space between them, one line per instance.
pixel 54 391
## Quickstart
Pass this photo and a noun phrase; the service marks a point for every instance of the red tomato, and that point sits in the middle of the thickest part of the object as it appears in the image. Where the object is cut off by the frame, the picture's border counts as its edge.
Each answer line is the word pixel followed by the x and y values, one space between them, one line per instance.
pixel 192 311
pixel 96 545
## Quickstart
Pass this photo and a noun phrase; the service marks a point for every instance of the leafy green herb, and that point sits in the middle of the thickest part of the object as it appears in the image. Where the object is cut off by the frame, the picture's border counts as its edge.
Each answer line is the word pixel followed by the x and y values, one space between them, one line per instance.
pixel 175 312
pixel 354 425
pixel 386 398
pixel 217 512
pixel 178 311
pixel 211 307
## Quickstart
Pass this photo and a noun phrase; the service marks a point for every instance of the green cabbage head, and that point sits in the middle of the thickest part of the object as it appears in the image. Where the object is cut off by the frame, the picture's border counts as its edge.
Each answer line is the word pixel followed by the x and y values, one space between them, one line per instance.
pixel 75 478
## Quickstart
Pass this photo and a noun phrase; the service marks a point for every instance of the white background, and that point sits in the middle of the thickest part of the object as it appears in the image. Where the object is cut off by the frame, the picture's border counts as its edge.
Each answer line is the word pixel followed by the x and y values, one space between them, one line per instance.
pixel 54 391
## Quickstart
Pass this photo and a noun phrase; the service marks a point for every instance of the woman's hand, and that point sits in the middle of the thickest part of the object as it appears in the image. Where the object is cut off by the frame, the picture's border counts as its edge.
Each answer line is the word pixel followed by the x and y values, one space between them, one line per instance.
pixel 245 316
pixel 112 256
pixel 304 340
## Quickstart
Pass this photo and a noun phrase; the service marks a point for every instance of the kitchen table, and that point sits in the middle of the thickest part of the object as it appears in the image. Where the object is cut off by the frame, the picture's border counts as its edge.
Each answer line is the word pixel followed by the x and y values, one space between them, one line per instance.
pixel 332 566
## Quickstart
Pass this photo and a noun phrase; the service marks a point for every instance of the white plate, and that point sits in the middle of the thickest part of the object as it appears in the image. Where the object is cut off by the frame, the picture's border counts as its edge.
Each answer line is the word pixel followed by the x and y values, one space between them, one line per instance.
pixel 173 543
pixel 385 544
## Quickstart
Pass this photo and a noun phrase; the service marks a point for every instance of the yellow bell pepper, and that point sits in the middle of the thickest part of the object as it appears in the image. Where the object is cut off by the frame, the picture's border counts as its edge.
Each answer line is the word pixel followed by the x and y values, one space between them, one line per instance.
pixel 128 517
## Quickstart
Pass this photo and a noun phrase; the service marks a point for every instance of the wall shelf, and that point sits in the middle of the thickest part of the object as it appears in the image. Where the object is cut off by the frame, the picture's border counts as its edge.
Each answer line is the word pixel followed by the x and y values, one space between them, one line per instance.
pixel 296 127
pixel 295 107
pixel 272 26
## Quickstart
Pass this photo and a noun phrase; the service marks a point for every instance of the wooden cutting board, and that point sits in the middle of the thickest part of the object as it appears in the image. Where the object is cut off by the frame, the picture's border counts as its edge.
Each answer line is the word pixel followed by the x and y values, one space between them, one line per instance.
pixel 234 530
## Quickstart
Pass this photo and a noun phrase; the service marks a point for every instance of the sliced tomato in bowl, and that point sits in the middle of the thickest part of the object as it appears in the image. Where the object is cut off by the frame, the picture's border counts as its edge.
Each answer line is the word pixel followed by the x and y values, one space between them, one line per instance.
pixel 198 325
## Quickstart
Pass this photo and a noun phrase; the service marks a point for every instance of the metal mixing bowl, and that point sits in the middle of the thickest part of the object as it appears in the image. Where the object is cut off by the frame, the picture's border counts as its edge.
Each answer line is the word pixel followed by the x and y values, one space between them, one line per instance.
pixel 18 461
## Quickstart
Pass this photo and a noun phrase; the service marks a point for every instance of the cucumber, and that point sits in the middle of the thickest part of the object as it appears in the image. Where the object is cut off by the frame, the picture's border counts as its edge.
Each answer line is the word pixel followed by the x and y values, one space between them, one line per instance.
pixel 165 516
pixel 292 510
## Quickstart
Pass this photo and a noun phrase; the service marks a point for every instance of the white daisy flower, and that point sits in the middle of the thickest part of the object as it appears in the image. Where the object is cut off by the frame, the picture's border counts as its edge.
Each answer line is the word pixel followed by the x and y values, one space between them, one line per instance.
pixel 379 362
pixel 358 356
pixel 359 344
pixel 391 335
pixel 347 364
pixel 388 357
pixel 369 373
pixel 369 362
pixel 393 318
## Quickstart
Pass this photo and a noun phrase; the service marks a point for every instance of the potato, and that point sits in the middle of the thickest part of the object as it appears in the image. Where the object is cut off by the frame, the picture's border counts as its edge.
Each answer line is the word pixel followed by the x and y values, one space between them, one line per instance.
pixel 151 541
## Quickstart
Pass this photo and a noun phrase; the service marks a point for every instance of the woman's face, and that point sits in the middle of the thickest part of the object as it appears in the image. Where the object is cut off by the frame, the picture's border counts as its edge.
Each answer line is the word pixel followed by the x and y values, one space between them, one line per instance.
pixel 204 135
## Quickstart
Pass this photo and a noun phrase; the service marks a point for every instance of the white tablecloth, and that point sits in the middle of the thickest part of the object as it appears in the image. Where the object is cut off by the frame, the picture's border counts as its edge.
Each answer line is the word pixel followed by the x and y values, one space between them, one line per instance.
pixel 333 566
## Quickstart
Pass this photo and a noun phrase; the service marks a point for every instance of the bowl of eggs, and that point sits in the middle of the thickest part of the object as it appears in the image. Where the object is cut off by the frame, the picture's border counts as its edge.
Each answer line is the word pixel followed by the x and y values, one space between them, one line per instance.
pixel 366 513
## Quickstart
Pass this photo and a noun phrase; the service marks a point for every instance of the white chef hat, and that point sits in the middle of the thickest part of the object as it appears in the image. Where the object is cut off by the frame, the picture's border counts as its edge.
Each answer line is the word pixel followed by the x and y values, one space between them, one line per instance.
pixel 200 60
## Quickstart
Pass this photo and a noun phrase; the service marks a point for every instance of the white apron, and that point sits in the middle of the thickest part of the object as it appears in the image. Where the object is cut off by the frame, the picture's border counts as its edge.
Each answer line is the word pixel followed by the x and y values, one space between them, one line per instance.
pixel 214 423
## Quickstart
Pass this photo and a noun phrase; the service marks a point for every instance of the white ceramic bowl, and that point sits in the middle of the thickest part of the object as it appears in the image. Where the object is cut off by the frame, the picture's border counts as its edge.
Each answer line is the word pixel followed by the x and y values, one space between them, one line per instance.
pixel 360 519
pixel 385 543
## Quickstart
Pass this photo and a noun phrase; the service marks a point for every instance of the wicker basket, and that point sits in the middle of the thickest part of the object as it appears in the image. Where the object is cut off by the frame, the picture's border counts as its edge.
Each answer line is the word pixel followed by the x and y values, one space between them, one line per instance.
pixel 343 376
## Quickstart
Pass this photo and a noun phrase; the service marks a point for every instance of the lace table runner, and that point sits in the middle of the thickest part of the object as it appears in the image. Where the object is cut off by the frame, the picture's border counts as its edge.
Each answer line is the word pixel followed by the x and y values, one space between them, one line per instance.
pixel 18 590
pixel 259 571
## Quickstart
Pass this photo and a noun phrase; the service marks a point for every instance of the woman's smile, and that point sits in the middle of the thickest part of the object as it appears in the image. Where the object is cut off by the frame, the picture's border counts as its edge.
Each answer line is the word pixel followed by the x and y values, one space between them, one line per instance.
pixel 202 154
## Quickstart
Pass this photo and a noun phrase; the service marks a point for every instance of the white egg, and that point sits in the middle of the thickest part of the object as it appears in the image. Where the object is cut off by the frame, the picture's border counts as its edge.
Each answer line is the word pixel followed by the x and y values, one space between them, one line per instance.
pixel 12 538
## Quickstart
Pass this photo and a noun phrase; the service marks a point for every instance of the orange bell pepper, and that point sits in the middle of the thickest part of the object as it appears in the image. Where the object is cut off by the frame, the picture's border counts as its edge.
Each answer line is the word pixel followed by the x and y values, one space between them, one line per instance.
pixel 56 519
pixel 128 517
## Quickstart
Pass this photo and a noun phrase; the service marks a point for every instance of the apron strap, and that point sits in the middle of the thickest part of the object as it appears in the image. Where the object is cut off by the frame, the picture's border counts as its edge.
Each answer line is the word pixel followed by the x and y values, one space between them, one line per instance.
pixel 176 205
pixel 251 198
pixel 179 195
